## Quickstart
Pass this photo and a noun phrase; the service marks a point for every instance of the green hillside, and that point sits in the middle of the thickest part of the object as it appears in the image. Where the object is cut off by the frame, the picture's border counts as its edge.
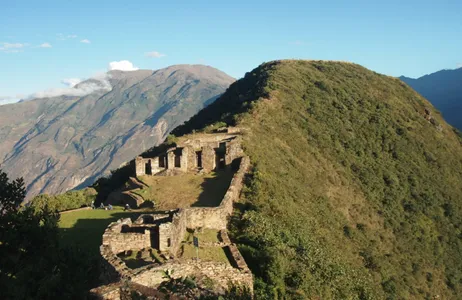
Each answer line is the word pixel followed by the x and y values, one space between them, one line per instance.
pixel 355 192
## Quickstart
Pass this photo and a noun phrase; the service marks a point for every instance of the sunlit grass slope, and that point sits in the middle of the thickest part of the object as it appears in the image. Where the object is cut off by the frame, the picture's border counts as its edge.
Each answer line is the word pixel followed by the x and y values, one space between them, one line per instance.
pixel 354 194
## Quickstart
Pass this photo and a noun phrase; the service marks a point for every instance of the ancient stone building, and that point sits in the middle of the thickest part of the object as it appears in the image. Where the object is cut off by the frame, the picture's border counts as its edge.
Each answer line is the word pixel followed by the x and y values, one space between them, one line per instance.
pixel 205 152
pixel 164 231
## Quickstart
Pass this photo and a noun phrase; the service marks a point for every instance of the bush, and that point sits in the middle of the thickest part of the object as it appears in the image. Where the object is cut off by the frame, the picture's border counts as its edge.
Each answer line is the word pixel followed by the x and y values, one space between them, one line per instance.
pixel 66 201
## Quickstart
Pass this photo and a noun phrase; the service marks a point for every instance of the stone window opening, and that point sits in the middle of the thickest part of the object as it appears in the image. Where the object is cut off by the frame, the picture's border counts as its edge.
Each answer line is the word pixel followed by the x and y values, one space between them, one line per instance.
pixel 163 161
pixel 169 242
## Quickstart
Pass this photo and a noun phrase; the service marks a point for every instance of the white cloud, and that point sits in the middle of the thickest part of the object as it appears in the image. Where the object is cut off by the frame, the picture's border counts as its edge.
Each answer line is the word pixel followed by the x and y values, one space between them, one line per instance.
pixel 78 87
pixel 85 41
pixel 71 82
pixel 10 99
pixel 154 54
pixel 12 47
pixel 45 45
pixel 71 36
pixel 99 82
pixel 123 65
pixel 6 99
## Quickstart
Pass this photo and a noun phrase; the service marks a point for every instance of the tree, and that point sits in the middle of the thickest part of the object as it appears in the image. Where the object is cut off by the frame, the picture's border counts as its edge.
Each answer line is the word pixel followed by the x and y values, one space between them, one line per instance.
pixel 32 263
pixel 11 193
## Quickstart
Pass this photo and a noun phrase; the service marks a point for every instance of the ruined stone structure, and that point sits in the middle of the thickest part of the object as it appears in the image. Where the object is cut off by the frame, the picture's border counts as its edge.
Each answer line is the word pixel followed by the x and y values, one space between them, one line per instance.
pixel 205 152
pixel 165 231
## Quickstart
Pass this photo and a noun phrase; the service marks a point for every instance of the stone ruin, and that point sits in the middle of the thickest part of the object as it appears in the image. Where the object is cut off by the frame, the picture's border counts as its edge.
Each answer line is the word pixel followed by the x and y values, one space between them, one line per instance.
pixel 195 153
pixel 165 231
pixel 204 152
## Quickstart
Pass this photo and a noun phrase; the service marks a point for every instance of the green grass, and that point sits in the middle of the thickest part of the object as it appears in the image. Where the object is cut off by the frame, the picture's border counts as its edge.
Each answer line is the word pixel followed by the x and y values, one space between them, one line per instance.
pixel 86 227
pixel 171 192
pixel 206 235
pixel 353 194
pixel 217 254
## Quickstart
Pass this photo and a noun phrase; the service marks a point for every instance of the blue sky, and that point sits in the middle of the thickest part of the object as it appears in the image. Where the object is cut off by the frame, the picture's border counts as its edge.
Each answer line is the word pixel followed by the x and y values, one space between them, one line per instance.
pixel 44 42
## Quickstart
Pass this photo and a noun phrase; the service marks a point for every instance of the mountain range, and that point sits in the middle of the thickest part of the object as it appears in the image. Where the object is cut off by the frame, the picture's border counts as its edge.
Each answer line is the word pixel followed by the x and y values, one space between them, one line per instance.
pixel 444 90
pixel 60 142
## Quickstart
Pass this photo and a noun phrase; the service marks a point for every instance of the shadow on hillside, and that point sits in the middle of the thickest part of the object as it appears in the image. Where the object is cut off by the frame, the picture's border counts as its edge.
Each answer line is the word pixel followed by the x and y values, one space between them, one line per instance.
pixel 214 189
pixel 87 233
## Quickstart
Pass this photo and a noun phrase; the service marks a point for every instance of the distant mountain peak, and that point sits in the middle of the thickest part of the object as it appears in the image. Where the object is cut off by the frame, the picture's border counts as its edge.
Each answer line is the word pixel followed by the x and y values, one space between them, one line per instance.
pixel 72 136
pixel 444 89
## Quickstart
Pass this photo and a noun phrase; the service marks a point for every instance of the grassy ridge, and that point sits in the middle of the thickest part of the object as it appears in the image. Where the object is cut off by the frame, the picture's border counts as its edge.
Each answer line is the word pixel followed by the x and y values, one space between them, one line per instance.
pixel 354 194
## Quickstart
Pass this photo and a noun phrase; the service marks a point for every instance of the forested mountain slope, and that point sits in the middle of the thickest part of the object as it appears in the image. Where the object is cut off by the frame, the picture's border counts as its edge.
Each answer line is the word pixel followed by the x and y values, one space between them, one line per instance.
pixel 356 189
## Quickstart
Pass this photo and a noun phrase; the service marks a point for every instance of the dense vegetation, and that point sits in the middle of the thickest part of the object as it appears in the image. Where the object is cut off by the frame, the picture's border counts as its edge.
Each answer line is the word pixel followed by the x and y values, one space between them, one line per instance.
pixel 66 201
pixel 33 263
pixel 354 194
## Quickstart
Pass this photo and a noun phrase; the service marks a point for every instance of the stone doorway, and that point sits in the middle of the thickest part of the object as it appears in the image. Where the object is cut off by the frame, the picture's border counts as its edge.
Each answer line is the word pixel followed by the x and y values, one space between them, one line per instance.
pixel 199 159
pixel 155 238
pixel 220 162
pixel 148 168
pixel 178 153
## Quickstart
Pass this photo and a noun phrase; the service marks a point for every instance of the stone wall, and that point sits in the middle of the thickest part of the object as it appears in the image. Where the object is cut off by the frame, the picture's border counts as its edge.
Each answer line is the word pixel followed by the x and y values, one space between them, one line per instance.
pixel 235 257
pixel 212 218
pixel 139 166
pixel 221 273
pixel 208 158
pixel 233 151
pixel 107 292
pixel 153 163
pixel 217 217
pixel 171 234
pixel 208 144
pixel 118 241
pixel 186 164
